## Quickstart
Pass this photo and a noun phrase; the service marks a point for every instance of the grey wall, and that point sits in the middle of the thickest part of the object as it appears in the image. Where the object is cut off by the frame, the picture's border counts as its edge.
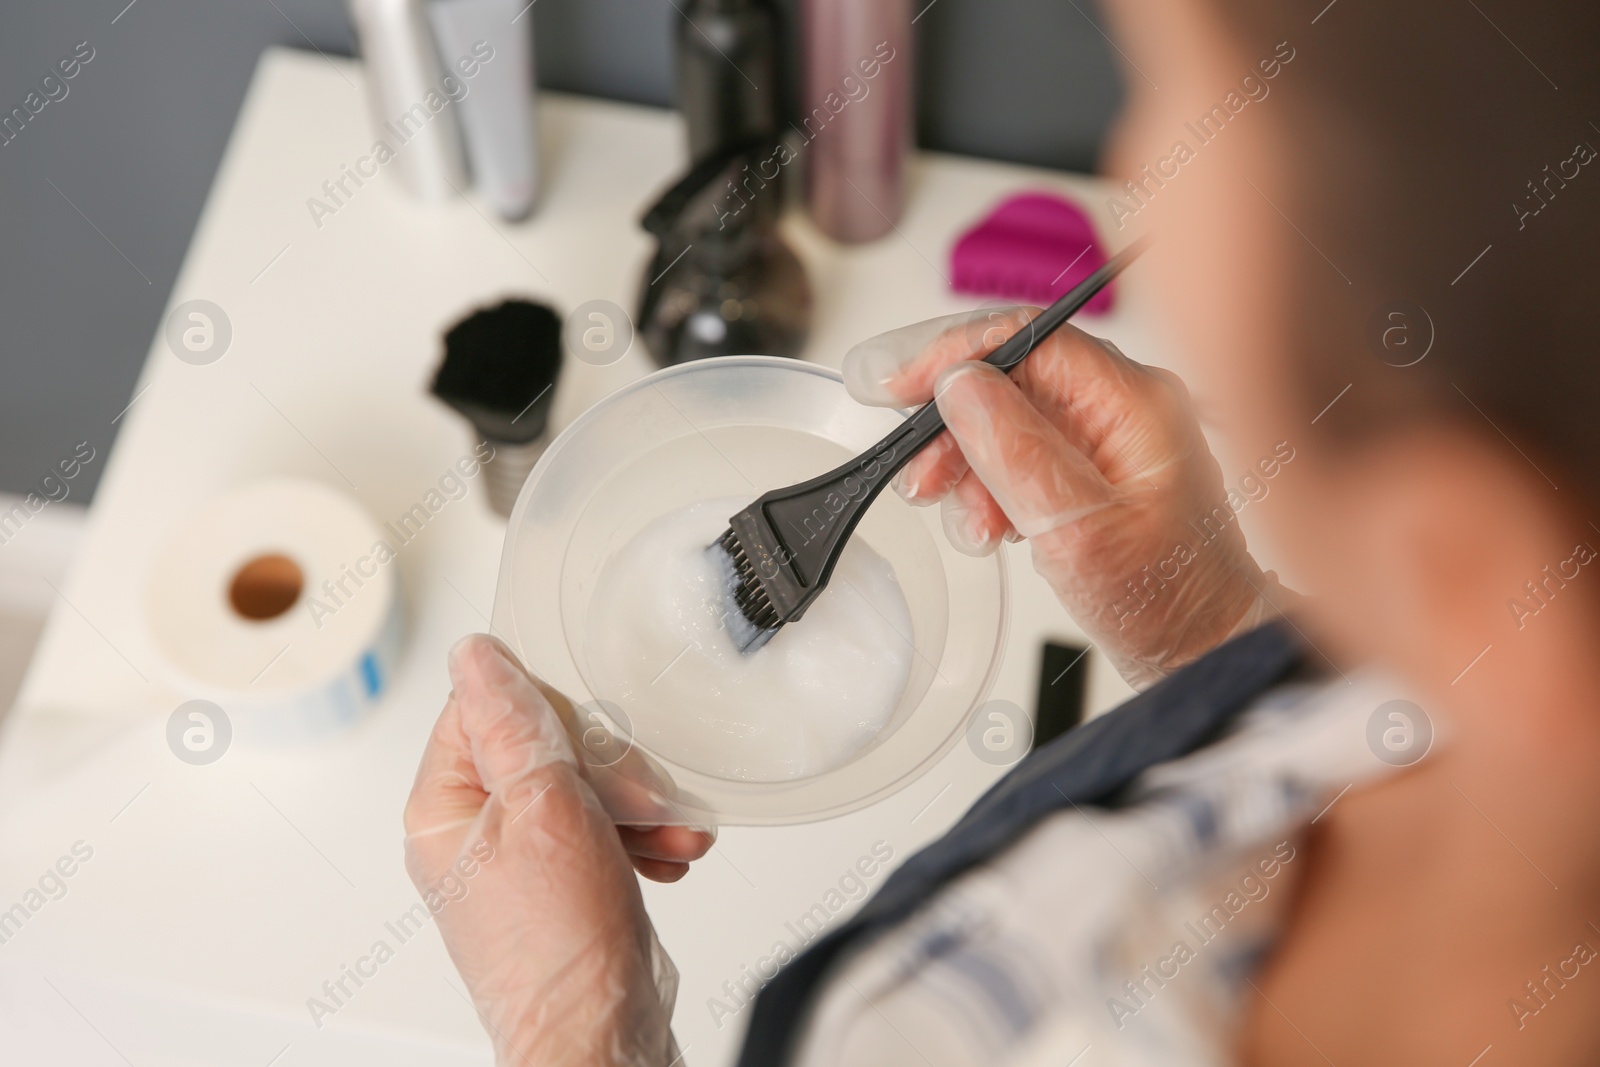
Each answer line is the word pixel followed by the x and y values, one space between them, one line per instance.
pixel 101 191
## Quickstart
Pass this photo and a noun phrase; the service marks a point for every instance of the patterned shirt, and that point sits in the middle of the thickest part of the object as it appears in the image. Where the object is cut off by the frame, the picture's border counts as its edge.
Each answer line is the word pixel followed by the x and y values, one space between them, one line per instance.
pixel 1122 938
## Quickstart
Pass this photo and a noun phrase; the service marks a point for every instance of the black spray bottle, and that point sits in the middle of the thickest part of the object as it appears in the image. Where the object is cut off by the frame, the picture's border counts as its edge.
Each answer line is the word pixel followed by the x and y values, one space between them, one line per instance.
pixel 722 281
pixel 729 77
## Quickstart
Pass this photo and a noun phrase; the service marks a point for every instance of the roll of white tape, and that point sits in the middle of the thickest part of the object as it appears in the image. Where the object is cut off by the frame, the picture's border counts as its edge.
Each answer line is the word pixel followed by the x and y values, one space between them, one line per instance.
pixel 280 603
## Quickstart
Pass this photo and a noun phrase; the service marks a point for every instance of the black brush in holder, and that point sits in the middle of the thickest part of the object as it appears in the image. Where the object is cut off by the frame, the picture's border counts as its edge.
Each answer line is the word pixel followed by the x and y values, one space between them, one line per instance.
pixel 499 371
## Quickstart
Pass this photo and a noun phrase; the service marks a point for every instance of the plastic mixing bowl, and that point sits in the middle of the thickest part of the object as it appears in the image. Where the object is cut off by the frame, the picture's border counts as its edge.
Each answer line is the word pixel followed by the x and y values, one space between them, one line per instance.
pixel 737 427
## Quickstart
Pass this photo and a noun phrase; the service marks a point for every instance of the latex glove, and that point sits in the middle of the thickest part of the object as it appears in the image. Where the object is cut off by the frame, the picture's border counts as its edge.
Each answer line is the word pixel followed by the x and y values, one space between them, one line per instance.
pixel 535 899
pixel 1098 461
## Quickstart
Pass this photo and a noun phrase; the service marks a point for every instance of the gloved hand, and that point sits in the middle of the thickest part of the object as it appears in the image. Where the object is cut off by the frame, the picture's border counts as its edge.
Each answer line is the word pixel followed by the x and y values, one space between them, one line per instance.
pixel 1098 461
pixel 529 881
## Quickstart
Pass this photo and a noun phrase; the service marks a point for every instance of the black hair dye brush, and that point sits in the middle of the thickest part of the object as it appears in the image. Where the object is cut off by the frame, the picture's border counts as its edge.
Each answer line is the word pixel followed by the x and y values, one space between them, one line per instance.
pixel 781 550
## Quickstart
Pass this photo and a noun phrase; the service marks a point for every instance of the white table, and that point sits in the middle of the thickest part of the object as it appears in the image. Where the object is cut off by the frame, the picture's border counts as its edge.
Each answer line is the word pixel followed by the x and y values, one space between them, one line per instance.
pixel 220 898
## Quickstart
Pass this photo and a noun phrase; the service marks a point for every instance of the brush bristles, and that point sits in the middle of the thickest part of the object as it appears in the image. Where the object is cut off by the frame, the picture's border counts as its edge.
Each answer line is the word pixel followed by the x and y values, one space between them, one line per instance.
pixel 752 600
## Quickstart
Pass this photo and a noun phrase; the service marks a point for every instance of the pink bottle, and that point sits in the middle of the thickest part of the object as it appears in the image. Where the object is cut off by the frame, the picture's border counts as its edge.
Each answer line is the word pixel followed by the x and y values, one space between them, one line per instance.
pixel 856 113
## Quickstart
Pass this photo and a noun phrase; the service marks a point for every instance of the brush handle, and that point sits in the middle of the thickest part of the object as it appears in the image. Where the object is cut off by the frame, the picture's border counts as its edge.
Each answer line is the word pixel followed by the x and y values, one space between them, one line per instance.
pixel 800 530
pixel 1051 318
pixel 918 431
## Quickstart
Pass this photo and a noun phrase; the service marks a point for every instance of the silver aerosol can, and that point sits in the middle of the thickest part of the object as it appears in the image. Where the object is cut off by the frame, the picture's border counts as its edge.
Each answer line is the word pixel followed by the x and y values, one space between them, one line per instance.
pixel 411 110
pixel 493 39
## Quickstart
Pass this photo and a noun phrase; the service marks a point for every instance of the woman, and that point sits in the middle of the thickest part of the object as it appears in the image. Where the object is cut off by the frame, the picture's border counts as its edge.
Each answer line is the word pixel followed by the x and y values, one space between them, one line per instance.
pixel 1377 240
